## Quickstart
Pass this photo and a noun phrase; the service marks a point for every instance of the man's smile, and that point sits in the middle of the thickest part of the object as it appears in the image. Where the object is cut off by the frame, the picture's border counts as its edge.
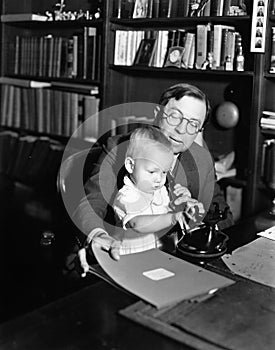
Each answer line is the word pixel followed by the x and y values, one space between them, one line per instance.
pixel 175 140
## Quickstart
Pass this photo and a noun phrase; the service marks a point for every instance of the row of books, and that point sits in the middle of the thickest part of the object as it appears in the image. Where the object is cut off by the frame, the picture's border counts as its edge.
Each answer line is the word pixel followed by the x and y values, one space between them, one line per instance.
pixel 77 56
pixel 177 8
pixel 267 120
pixel 49 111
pixel 126 124
pixel 205 46
pixel 32 160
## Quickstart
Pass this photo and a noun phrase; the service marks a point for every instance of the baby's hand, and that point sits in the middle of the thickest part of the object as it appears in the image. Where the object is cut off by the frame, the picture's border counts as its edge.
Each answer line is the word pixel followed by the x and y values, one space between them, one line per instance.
pixel 194 209
pixel 180 218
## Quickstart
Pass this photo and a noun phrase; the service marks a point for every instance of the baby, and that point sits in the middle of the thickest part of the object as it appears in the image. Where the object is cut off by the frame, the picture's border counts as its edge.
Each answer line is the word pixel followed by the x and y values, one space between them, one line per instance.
pixel 142 204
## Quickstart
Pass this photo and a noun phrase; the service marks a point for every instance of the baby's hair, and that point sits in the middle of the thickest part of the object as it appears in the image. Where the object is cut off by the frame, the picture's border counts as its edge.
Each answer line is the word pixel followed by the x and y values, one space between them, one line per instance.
pixel 143 137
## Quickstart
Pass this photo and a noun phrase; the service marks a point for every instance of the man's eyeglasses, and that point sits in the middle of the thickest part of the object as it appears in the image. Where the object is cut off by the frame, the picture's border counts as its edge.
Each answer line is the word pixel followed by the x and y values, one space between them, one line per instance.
pixel 175 118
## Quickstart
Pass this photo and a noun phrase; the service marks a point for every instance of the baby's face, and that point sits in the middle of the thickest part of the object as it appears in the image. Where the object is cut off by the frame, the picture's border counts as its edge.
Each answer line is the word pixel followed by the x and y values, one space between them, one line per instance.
pixel 150 170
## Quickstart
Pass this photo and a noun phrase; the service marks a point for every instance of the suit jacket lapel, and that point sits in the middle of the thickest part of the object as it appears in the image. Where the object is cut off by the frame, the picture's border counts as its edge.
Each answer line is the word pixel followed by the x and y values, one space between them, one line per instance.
pixel 186 173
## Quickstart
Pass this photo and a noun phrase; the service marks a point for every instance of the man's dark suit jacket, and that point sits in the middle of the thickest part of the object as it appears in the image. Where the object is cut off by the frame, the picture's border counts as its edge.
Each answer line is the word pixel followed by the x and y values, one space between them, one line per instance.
pixel 194 169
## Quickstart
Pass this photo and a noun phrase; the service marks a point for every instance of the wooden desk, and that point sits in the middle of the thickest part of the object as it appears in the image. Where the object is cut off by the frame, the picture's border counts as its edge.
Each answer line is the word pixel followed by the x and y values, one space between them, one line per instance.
pixel 89 319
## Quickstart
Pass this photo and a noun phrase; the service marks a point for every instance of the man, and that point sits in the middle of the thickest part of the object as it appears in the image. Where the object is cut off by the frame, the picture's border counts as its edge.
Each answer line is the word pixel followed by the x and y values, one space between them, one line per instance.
pixel 182 113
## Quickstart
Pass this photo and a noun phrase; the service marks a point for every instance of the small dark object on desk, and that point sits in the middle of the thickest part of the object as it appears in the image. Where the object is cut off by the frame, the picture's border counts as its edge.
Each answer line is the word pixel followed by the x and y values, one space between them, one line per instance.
pixel 205 241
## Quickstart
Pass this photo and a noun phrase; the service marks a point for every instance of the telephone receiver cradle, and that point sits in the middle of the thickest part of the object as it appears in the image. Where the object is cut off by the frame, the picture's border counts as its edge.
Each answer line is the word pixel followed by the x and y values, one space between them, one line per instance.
pixel 205 240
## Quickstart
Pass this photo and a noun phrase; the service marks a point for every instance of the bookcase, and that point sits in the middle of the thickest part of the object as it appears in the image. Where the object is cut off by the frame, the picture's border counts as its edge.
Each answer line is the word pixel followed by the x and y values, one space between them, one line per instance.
pixel 52 79
pixel 51 68
pixel 145 82
pixel 63 87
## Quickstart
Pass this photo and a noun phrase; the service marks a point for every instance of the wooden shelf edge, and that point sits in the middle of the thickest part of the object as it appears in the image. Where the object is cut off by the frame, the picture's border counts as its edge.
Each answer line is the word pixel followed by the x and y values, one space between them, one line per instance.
pixel 61 138
pixel 177 20
pixel 181 70
pixel 88 87
pixel 43 20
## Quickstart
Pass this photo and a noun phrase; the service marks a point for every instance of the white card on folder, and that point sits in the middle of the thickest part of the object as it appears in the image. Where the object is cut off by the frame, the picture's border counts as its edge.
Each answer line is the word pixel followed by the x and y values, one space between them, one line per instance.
pixel 159 278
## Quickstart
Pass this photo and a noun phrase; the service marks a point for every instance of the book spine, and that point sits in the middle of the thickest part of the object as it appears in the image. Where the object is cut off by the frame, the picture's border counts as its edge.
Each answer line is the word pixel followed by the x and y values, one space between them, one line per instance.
pixel 150 9
pixel 272 58
pixel 17 55
pixel 191 58
pixel 165 8
pixel 226 7
pixel 98 50
pixel 217 43
pixel 40 58
pixel 156 5
pixel 190 37
pixel 201 45
pixel 183 8
pixel 117 9
pixel 70 58
pixel 51 54
pixel 224 44
pixel 217 7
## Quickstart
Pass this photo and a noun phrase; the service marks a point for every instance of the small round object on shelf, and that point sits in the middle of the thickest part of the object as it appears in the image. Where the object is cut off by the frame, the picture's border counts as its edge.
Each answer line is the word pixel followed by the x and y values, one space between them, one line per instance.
pixel 227 115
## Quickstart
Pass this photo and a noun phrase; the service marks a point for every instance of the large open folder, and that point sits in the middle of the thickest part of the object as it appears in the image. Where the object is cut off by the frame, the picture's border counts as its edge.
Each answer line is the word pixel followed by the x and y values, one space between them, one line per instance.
pixel 160 278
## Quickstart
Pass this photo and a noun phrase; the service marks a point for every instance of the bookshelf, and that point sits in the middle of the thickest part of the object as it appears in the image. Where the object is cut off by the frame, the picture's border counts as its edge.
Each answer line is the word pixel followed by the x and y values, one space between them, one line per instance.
pixel 252 89
pixel 51 80
pixel 51 70
pixel 244 88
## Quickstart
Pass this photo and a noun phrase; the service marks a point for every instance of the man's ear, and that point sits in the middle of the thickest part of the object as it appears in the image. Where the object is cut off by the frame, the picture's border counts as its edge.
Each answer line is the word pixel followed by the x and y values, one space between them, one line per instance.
pixel 156 111
pixel 129 164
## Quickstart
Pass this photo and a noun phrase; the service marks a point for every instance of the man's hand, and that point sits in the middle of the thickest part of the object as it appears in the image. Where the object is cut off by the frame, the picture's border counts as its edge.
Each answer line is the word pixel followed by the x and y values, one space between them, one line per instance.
pixel 108 244
pixel 182 193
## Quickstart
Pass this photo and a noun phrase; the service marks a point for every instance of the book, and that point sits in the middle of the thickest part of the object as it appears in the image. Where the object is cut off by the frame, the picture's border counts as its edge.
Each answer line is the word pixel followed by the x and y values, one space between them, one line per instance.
pixel 227 46
pixel 127 8
pixel 269 114
pixel 17 107
pixel 201 45
pixel 267 121
pixel 9 120
pixel 18 17
pixel 168 8
pixel 183 8
pixel 218 28
pixel 216 8
pixel 156 4
pixel 272 51
pixel 190 39
pixel 17 54
pixel 90 127
pixel 66 107
pixel 117 9
pixel 120 47
pixel 4 104
pixel 226 7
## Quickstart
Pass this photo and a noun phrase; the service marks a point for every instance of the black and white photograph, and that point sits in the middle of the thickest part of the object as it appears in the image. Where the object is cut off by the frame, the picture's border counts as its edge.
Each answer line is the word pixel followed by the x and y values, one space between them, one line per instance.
pixel 137 175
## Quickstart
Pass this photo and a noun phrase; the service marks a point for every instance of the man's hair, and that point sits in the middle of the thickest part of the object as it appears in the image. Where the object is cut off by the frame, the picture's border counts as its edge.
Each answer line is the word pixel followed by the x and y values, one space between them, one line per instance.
pixel 142 138
pixel 180 90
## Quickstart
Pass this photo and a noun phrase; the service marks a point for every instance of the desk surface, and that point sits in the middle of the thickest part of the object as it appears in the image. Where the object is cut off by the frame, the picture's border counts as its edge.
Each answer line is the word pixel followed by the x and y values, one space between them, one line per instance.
pixel 89 319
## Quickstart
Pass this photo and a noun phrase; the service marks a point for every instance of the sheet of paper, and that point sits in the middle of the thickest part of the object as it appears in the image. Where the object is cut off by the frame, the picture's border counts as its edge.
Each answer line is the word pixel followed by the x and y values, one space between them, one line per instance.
pixel 255 261
pixel 159 278
pixel 269 233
